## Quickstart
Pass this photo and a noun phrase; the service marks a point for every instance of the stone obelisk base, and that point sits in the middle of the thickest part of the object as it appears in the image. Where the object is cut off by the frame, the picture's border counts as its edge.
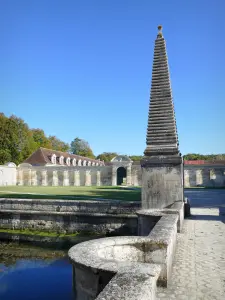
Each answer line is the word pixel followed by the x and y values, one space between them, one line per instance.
pixel 162 181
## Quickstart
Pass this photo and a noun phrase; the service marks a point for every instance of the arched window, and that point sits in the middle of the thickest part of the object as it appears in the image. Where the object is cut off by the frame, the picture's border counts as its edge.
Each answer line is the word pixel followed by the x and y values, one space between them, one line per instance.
pixel 53 159
pixel 61 160
pixel 74 162
pixel 79 162
pixel 84 163
pixel 89 163
pixel 93 164
pixel 68 161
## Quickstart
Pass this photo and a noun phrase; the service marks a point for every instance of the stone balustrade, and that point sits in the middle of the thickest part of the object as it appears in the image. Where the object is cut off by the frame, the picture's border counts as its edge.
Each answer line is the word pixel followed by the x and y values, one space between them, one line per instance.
pixel 114 267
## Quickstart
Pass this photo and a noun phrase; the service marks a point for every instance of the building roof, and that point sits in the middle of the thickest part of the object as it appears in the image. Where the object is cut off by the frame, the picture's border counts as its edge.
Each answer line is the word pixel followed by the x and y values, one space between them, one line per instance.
pixel 43 156
pixel 162 136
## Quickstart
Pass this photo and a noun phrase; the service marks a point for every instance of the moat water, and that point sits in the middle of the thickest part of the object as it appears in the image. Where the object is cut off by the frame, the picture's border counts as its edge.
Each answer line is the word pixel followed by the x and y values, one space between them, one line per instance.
pixel 29 273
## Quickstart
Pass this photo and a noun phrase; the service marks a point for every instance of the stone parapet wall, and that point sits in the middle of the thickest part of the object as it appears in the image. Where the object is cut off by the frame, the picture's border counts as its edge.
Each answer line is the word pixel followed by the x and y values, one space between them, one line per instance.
pixel 194 175
pixel 204 176
pixel 69 215
pixel 127 267
pixel 64 176
pixel 63 222
pixel 70 206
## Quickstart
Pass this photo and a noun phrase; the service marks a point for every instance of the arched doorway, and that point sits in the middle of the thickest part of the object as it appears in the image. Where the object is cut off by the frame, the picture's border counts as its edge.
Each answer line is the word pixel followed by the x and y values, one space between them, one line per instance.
pixel 121 174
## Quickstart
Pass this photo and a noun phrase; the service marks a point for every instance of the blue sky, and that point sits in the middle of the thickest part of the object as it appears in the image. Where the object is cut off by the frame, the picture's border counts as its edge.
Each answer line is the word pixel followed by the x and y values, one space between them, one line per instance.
pixel 83 68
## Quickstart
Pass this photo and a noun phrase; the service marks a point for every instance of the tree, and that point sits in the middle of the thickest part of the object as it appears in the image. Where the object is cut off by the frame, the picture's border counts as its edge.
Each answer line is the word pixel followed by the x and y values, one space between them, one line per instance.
pixel 81 147
pixel 16 140
pixel 22 143
pixel 5 156
pixel 136 157
pixel 57 144
pixel 107 156
pixel 40 138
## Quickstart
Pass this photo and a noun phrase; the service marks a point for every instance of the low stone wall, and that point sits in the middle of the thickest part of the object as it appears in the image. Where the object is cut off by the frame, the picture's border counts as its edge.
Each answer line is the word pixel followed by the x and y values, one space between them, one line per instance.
pixel 69 215
pixel 85 206
pixel 204 176
pixel 127 267
pixel 194 175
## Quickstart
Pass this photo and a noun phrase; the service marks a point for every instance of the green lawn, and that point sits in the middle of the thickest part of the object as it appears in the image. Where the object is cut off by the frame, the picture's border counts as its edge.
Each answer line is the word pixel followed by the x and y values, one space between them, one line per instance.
pixel 77 193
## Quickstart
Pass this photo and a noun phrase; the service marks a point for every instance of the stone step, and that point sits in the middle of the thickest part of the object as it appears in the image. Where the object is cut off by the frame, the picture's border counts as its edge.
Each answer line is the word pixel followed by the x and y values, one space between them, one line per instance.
pixel 161 115
pixel 161 110
pixel 160 142
pixel 161 102
pixel 160 87
pixel 163 133
pixel 159 128
pixel 158 105
pixel 162 138
pixel 160 70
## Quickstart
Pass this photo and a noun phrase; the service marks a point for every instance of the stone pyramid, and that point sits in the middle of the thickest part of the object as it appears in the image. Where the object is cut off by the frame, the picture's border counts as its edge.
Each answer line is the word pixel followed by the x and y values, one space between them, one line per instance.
pixel 162 138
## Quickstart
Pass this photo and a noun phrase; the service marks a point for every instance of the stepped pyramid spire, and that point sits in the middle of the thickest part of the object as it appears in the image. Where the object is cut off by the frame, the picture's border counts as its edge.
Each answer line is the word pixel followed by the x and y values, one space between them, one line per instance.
pixel 162 138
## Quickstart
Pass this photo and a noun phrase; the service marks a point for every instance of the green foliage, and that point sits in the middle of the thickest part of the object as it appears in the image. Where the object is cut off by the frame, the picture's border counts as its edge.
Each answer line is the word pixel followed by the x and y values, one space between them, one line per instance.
pixel 136 157
pixel 107 156
pixel 57 144
pixel 40 138
pixel 16 140
pixel 209 157
pixel 5 156
pixel 81 147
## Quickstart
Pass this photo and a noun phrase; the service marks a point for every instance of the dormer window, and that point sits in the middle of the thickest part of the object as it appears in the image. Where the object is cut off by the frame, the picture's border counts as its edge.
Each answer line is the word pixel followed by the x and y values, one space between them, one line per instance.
pixel 89 163
pixel 68 161
pixel 84 163
pixel 53 159
pixel 61 160
pixel 79 162
pixel 93 164
pixel 74 162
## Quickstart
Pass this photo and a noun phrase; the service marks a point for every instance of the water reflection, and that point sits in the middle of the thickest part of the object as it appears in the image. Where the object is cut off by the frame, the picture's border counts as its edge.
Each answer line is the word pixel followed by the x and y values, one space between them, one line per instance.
pixel 32 279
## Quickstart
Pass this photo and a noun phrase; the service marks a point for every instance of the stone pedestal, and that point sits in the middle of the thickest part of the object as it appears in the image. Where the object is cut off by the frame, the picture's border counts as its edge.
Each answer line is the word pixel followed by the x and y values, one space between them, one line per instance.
pixel 162 181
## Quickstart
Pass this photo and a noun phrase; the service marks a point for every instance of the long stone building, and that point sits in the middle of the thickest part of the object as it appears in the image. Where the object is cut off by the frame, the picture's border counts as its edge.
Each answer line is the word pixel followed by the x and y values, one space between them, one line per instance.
pixel 121 170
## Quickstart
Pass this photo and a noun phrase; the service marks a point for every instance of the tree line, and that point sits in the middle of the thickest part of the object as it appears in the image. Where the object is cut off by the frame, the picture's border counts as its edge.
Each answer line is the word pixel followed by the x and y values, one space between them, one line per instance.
pixel 18 141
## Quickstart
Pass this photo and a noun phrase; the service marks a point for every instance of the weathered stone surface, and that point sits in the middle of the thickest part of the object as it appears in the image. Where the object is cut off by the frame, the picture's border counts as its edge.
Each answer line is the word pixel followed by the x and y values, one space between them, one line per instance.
pixel 162 136
pixel 162 166
pixel 136 282
pixel 68 221
pixel 86 206
pixel 112 254
pixel 161 186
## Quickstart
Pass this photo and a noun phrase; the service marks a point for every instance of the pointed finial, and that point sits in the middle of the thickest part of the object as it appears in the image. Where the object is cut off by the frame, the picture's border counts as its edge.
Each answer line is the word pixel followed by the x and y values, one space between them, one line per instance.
pixel 160 30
